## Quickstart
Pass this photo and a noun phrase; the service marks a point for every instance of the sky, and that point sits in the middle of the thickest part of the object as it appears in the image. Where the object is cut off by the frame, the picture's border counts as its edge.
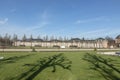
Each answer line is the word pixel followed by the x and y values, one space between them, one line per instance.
pixel 71 18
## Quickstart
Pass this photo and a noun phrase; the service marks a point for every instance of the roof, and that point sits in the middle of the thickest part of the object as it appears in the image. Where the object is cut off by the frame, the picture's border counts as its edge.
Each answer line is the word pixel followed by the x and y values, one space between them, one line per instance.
pixel 55 40
pixel 118 37
pixel 75 39
pixel 100 38
pixel 36 40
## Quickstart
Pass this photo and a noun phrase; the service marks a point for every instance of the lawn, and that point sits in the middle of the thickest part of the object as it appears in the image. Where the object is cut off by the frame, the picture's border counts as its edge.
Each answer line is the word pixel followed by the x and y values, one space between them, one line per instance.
pixel 20 65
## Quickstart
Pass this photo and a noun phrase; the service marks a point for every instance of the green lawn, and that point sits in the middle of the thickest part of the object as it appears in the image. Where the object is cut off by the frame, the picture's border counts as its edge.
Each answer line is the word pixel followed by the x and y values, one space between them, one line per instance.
pixel 13 66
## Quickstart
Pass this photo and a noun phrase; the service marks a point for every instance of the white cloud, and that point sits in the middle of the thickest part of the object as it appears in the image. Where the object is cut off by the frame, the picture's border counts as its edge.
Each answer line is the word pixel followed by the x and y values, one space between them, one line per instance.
pixel 101 18
pixel 39 26
pixel 91 33
pixel 94 32
pixel 3 21
pixel 99 33
pixel 13 10
pixel 44 15
pixel 44 21
pixel 35 29
pixel 78 22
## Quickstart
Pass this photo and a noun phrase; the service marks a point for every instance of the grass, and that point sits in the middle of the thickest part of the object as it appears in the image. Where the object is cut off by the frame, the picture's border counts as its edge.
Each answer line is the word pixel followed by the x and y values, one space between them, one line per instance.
pixel 13 66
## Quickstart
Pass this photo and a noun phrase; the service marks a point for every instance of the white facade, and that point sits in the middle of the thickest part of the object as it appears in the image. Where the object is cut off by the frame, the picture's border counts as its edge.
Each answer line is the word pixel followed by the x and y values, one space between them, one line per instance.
pixel 67 44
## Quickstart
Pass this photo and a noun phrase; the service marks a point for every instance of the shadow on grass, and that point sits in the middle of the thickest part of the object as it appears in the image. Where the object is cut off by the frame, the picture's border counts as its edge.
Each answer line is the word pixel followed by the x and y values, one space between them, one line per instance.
pixel 103 66
pixel 42 64
pixel 13 59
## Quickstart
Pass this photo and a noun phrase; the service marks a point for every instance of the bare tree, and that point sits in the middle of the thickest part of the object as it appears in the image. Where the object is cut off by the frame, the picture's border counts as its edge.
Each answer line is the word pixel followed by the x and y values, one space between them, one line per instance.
pixel 0 40
pixel 108 38
pixel 51 39
pixel 82 42
pixel 45 38
pixel 6 39
pixel 24 39
pixel 31 40
pixel 39 40
pixel 15 38
pixel 9 41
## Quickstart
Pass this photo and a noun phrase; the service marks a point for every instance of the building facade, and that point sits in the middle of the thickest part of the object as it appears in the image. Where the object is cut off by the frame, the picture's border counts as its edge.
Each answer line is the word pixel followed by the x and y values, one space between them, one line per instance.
pixel 74 43
pixel 117 41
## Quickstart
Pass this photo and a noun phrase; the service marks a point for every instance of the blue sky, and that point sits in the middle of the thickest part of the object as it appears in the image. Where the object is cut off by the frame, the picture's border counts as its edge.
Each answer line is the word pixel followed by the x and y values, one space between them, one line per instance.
pixel 71 18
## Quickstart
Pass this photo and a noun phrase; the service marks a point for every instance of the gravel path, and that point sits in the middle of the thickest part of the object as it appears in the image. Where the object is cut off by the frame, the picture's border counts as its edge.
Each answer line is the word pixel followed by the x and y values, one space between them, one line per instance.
pixel 54 49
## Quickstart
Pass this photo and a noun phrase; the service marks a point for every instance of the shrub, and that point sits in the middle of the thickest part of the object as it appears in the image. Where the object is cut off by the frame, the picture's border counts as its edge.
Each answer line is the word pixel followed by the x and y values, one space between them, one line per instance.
pixel 95 49
pixel 73 46
pixel 33 49
pixel 56 46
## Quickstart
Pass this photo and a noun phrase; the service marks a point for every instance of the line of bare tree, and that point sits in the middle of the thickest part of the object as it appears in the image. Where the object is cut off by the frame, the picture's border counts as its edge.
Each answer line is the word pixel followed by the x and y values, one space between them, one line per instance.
pixel 8 40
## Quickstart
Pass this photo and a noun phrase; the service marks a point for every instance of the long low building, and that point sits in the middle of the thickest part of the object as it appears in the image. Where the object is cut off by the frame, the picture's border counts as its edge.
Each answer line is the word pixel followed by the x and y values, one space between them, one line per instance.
pixel 73 43
pixel 62 43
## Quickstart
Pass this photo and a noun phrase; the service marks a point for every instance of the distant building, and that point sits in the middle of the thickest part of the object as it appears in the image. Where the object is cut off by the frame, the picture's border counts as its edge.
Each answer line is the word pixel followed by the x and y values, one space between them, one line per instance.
pixel 73 43
pixel 117 41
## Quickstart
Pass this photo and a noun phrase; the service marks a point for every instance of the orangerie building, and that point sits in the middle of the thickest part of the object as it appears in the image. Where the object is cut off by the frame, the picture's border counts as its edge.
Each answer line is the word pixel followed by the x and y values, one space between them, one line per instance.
pixel 72 43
